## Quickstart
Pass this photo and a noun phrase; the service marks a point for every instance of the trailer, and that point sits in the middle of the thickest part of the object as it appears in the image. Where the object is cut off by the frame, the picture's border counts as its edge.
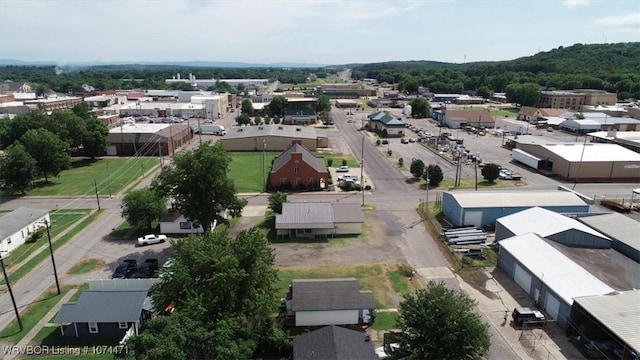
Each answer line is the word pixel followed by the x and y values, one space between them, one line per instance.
pixel 212 130
pixel 526 158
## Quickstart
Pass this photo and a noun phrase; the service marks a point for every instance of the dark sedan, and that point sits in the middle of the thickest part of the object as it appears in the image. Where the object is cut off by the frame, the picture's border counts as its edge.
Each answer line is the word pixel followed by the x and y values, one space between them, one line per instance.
pixel 125 270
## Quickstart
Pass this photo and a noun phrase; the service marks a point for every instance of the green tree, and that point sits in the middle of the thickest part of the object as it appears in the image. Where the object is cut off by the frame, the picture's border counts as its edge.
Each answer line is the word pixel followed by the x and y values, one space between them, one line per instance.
pixel 417 168
pixel 247 107
pixel 141 207
pixel 48 150
pixel 484 91
pixel 181 85
pixel 83 111
pixel 199 184
pixel 324 104
pixel 96 139
pixel 420 108
pixel 490 172
pixel 69 127
pixel 276 200
pixel 243 119
pixel 17 169
pixel 440 323
pixel 223 291
pixel 434 174
pixel 277 106
pixel 526 94
pixel 13 129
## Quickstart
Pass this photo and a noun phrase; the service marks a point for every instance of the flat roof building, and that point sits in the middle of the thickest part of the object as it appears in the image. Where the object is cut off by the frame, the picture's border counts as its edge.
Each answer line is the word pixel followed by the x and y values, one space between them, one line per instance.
pixel 273 137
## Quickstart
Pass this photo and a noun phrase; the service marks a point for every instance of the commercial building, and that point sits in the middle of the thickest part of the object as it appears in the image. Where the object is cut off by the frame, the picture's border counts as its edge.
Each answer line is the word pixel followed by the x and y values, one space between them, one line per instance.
pixel 575 99
pixel 311 220
pixel 346 91
pixel 627 139
pixel 455 119
pixel 623 231
pixel 206 83
pixel 484 208
pixel 578 162
pixel 600 121
pixel 148 139
pixel 550 225
pixel 527 258
pixel 299 117
pixel 54 103
pixel 386 123
pixel 273 137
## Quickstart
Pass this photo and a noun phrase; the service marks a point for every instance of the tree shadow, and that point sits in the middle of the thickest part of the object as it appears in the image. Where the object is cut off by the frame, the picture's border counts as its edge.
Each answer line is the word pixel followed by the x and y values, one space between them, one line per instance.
pixel 79 163
pixel 411 180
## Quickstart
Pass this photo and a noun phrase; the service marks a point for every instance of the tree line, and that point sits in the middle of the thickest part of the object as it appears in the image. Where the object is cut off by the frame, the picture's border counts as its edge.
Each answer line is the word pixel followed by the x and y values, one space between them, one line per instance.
pixel 611 67
pixel 39 145
pixel 70 80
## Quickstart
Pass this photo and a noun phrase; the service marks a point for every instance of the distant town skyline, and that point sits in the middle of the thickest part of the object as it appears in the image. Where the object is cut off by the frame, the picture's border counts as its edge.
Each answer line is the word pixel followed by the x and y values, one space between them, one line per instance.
pixel 315 32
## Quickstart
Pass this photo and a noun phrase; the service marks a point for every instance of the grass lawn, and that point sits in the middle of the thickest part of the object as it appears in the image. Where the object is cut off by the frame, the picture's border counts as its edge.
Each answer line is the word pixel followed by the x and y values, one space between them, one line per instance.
pixel 86 266
pixel 506 111
pixel 385 321
pixel 371 277
pixel 471 183
pixel 33 314
pixel 79 179
pixel 18 273
pixel 337 158
pixel 246 170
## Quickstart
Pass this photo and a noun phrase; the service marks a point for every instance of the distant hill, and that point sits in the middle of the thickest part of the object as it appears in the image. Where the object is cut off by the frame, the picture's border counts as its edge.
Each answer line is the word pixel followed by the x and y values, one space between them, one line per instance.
pixel 206 64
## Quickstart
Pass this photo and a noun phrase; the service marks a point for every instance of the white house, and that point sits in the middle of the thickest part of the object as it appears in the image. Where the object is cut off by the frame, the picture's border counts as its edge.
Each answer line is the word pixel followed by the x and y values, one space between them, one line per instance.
pixel 319 302
pixel 16 226
pixel 175 223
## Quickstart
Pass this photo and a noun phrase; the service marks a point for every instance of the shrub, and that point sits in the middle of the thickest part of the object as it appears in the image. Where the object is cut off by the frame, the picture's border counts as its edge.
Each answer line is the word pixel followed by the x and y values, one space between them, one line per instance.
pixel 344 162
pixel 367 187
pixel 406 270
pixel 389 152
pixel 35 236
pixel 329 162
pixel 378 142
pixel 400 162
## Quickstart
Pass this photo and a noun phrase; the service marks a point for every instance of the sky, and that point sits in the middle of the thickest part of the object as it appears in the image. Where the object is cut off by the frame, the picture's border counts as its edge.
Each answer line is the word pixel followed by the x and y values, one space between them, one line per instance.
pixel 307 31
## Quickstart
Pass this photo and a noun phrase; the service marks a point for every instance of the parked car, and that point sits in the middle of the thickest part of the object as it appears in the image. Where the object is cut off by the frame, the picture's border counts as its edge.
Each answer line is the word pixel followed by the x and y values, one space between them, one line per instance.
pixel 550 129
pixel 386 351
pixel 166 267
pixel 404 140
pixel 525 315
pixel 125 270
pixel 412 140
pixel 148 269
pixel 342 169
pixel 385 141
pixel 151 239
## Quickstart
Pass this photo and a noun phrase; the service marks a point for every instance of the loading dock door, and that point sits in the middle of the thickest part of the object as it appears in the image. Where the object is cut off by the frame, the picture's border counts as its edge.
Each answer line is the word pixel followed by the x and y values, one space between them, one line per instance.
pixel 552 306
pixel 522 278
pixel 473 218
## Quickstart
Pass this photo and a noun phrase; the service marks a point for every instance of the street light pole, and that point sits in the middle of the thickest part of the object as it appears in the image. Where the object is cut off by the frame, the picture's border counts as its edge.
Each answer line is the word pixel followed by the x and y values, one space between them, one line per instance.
pixel 13 299
pixel 264 164
pixel 95 186
pixel 362 168
pixel 53 260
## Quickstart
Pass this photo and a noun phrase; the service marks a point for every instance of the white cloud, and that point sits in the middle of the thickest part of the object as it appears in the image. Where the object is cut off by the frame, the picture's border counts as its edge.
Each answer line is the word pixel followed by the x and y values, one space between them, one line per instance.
pixel 572 4
pixel 622 23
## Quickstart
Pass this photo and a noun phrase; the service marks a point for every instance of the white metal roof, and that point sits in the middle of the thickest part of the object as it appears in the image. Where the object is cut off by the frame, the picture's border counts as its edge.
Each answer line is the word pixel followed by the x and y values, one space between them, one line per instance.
pixel 472 199
pixel 592 152
pixel 544 223
pixel 292 131
pixel 566 278
pixel 619 312
pixel 617 226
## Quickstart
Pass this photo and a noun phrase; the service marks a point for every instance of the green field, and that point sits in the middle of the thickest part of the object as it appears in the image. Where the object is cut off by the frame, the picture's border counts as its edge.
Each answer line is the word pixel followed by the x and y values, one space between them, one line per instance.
pixel 246 170
pixel 337 158
pixel 110 175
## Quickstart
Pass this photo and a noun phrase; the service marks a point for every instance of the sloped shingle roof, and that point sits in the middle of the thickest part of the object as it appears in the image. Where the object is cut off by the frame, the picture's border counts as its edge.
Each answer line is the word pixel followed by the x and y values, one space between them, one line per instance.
pixel 333 343
pixel 329 294
pixel 315 162
pixel 103 306
pixel 386 118
pixel 18 219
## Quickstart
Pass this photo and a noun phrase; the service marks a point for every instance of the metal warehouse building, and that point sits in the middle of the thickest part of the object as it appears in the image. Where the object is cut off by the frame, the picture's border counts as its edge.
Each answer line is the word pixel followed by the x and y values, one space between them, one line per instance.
pixel 623 230
pixel 578 162
pixel 273 138
pixel 552 226
pixel 484 208
pixel 610 321
pixel 526 259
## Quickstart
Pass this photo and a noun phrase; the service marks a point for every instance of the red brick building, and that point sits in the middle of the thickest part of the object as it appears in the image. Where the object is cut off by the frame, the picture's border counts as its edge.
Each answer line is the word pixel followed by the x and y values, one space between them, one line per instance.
pixel 298 168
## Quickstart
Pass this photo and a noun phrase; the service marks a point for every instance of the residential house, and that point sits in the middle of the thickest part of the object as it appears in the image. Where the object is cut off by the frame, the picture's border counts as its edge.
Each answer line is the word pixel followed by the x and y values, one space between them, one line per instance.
pixel 386 123
pixel 104 314
pixel 333 343
pixel 9 86
pixel 310 220
pixel 529 113
pixel 298 168
pixel 455 119
pixel 320 302
pixel 17 225
pixel 175 223
pixel 299 117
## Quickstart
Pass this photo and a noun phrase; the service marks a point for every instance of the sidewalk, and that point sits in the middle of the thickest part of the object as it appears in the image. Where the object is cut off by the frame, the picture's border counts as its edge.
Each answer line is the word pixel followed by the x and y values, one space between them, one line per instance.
pixel 41 324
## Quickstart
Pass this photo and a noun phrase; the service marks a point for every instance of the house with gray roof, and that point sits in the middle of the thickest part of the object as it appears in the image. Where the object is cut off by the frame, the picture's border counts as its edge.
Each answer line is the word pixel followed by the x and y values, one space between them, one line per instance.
pixel 311 220
pixel 319 302
pixel 104 314
pixel 298 168
pixel 386 123
pixel 334 343
pixel 17 225
pixel 299 117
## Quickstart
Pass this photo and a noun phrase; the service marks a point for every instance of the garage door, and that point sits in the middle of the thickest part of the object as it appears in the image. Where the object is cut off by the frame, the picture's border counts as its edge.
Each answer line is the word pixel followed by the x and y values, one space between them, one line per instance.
pixel 522 278
pixel 552 306
pixel 473 218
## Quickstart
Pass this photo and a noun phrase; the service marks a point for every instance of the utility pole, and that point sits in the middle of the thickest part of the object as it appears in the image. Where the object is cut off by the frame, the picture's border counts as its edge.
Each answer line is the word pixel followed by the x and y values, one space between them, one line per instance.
pixel 95 186
pixel 109 181
pixel 475 165
pixel 362 168
pixel 426 202
pixel 264 164
pixel 53 260
pixel 199 132
pixel 13 299
pixel 160 153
